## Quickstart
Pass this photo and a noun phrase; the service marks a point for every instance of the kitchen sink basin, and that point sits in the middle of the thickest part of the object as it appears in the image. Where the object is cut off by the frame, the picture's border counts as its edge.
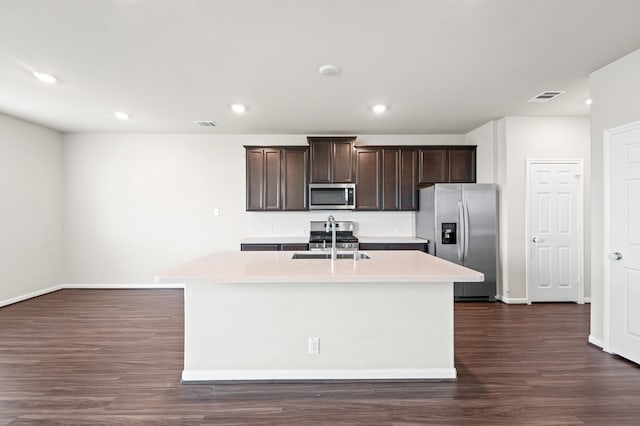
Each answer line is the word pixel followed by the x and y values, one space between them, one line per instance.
pixel 312 255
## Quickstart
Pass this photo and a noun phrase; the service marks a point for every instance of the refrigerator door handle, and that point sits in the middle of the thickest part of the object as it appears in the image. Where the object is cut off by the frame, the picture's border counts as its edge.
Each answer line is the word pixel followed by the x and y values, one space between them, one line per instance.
pixel 461 231
pixel 465 208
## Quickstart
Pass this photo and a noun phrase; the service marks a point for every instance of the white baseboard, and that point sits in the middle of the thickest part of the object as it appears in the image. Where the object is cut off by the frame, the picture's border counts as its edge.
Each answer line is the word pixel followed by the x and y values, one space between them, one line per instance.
pixel 346 374
pixel 597 342
pixel 29 295
pixel 123 286
pixel 88 287
pixel 523 300
pixel 512 300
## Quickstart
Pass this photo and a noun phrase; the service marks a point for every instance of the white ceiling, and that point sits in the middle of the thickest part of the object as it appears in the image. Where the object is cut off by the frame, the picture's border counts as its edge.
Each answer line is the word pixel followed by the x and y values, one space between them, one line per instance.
pixel 443 66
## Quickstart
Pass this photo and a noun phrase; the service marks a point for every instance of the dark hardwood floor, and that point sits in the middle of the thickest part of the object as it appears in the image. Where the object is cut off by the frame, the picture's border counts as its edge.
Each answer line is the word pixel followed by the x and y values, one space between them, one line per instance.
pixel 105 357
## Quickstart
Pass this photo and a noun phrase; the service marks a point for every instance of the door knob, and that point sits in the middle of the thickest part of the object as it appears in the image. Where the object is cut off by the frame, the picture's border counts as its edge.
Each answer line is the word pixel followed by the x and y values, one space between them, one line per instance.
pixel 615 256
pixel 534 239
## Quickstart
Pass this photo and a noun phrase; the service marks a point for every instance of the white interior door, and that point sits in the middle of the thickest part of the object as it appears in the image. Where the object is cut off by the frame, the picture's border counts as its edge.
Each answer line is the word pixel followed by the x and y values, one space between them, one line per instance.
pixel 622 240
pixel 554 240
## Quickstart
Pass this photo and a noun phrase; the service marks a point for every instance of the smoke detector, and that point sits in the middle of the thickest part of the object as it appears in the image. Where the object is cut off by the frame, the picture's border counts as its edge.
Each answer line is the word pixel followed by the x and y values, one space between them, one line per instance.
pixel 327 70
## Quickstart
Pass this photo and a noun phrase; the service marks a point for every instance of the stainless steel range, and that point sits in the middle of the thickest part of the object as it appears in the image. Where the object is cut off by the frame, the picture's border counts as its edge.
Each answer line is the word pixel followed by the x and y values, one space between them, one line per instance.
pixel 320 236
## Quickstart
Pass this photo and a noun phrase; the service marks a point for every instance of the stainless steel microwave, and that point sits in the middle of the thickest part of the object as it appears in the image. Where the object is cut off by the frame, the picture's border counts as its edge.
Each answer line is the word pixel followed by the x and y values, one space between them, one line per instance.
pixel 332 196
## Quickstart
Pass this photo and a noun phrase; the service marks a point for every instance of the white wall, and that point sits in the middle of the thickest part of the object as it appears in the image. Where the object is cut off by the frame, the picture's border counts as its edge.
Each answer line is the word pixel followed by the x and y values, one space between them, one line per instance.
pixel 137 204
pixel 485 137
pixel 615 90
pixel 519 138
pixel 31 209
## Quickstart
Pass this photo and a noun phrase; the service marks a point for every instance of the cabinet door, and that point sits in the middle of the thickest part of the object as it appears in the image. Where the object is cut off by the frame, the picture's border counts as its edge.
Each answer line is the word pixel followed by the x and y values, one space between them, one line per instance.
pixel 255 179
pixel 462 165
pixel 407 246
pixel 372 246
pixel 321 153
pixel 294 247
pixel 399 179
pixel 368 182
pixel 259 247
pixel 433 165
pixel 343 163
pixel 294 178
pixel 390 178
pixel 272 185
pixel 407 188
pixel 263 179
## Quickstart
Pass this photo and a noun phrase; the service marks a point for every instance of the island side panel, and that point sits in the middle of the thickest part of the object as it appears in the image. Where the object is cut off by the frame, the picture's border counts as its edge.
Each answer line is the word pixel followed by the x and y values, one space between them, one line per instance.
pixel 256 331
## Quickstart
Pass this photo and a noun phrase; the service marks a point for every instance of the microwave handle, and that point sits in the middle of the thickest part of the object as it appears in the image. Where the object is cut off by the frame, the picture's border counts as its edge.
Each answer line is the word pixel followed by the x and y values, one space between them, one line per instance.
pixel 346 196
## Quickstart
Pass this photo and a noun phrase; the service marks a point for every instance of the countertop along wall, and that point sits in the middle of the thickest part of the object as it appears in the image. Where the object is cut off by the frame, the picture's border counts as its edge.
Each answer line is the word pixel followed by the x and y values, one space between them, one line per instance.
pixel 138 204
pixel 615 90
pixel 30 210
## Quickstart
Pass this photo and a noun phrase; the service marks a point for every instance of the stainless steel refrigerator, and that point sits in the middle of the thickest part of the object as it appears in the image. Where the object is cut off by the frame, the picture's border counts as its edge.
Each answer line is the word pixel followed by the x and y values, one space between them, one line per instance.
pixel 459 220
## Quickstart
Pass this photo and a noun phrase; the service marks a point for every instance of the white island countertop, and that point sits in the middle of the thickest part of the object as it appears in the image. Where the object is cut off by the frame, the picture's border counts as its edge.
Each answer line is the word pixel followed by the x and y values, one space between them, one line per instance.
pixel 255 316
pixel 279 267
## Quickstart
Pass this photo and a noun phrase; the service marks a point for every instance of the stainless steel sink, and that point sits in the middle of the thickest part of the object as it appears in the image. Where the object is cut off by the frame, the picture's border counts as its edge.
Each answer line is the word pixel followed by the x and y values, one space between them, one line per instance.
pixel 312 255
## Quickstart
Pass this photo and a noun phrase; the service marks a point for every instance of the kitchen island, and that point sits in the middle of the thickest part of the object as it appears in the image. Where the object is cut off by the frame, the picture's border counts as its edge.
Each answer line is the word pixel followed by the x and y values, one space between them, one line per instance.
pixel 257 315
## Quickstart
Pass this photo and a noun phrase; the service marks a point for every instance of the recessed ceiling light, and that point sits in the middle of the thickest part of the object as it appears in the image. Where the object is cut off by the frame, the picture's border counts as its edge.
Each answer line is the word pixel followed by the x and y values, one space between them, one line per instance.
pixel 121 115
pixel 588 101
pixel 44 77
pixel 379 108
pixel 238 108
pixel 329 70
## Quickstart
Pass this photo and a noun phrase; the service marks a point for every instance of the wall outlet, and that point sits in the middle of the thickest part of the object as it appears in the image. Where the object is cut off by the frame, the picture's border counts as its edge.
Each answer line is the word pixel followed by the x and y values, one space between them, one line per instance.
pixel 216 212
pixel 314 345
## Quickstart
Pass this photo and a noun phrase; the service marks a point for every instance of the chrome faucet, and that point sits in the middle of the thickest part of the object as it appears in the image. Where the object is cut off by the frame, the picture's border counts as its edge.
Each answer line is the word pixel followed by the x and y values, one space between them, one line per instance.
pixel 331 223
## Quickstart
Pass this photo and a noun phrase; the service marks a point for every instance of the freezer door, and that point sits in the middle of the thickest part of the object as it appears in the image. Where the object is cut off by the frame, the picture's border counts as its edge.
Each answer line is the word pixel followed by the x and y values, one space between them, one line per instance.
pixel 479 201
pixel 448 240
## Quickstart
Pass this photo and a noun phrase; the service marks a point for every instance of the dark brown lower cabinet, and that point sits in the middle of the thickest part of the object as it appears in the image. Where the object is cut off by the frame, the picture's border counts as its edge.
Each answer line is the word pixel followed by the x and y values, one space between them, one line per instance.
pixel 259 247
pixel 274 247
pixel 393 246
pixel 294 247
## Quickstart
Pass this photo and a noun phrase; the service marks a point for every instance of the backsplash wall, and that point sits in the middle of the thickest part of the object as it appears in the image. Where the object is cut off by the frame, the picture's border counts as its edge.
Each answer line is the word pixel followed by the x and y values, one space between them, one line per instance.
pixel 379 224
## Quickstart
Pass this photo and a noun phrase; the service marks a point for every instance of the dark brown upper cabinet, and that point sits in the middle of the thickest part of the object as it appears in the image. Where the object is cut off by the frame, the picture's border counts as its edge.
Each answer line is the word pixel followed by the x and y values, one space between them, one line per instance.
pixel 332 159
pixel 295 181
pixel 386 177
pixel 399 179
pixel 462 164
pixel 368 178
pixel 433 165
pixel 276 178
pixel 455 164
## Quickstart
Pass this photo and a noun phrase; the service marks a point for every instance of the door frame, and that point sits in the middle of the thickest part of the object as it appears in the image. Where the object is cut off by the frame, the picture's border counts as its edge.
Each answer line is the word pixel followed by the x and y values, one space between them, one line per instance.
pixel 580 163
pixel 606 282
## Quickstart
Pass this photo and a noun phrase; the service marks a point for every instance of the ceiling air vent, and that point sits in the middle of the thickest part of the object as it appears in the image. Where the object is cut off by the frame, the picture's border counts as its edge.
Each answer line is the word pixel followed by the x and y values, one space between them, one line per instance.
pixel 547 96
pixel 206 123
